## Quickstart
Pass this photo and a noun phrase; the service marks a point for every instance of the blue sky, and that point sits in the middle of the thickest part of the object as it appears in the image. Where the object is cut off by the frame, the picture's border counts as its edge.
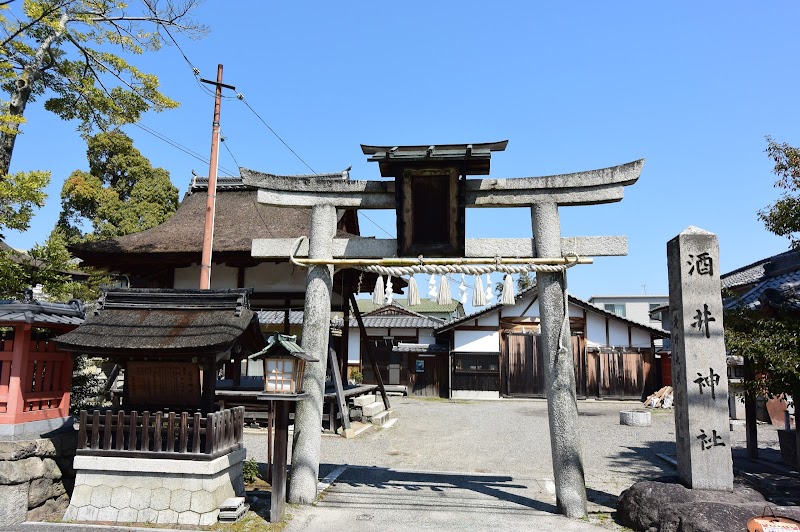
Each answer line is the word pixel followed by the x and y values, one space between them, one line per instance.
pixel 692 87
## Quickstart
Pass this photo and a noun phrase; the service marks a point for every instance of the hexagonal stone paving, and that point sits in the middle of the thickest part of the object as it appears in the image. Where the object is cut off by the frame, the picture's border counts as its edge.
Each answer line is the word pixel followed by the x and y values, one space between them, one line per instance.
pixel 121 497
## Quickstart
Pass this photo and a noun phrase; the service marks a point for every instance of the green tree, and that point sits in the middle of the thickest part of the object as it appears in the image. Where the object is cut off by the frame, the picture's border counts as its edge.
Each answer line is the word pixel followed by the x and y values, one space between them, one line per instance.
pixel 783 216
pixel 771 345
pixel 20 194
pixel 770 341
pixel 120 194
pixel 51 266
pixel 524 281
pixel 76 53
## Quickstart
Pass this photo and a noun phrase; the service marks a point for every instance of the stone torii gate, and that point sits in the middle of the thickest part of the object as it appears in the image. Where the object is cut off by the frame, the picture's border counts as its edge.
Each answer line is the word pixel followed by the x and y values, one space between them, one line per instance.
pixel 436 175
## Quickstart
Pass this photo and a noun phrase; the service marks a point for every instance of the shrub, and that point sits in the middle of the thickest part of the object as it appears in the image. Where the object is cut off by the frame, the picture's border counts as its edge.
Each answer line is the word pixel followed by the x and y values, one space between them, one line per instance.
pixel 250 470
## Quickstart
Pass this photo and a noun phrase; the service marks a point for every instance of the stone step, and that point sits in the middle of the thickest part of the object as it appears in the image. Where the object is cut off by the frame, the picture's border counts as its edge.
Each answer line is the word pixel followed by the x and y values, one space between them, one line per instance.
pixel 381 418
pixel 364 400
pixel 372 409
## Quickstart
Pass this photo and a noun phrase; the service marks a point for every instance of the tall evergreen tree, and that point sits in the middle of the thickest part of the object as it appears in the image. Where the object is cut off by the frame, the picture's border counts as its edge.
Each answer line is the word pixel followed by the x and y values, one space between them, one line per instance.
pixel 120 194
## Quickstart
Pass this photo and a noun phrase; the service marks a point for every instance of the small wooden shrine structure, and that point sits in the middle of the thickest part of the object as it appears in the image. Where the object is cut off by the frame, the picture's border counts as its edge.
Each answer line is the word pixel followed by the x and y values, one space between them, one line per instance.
pixel 169 344
pixel 35 375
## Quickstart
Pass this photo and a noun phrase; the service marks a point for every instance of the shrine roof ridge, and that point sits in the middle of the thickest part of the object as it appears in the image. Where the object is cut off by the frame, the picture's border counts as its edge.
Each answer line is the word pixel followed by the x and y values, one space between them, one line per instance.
pixel 236 299
pixel 424 148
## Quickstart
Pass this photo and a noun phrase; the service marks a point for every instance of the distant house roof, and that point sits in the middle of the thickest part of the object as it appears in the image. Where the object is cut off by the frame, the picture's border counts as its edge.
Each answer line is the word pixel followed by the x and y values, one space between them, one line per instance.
pixel 774 282
pixel 41 313
pixel 380 318
pixel 239 219
pixel 277 317
pixel 759 270
pixel 426 306
pixel 391 316
pixel 164 322
pixel 531 291
pixel 403 347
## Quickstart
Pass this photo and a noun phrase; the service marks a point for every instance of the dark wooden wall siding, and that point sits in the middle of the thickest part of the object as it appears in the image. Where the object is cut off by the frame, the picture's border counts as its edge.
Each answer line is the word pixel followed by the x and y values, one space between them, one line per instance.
pixel 524 367
pixel 476 371
pixel 618 375
pixel 431 381
pixel 612 375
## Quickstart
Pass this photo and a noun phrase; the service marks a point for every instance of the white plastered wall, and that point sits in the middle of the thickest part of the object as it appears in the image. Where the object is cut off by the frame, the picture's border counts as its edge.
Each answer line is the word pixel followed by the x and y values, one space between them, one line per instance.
pixel 477 341
pixel 222 276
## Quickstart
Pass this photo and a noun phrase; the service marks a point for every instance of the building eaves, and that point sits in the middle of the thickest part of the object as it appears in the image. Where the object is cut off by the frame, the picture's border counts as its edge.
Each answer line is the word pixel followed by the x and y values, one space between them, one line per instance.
pixel 41 312
pixel 657 331
pixel 446 326
pixel 403 347
pixel 425 305
pixel 755 272
pixel 786 284
pixel 277 317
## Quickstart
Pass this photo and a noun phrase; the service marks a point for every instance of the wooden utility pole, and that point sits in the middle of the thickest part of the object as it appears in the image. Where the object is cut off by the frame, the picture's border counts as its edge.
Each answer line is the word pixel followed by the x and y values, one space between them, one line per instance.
pixel 208 234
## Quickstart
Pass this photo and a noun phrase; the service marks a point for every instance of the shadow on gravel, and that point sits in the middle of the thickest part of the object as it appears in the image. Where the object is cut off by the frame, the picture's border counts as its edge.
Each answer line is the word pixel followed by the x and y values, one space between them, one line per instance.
pixel 439 491
pixel 643 460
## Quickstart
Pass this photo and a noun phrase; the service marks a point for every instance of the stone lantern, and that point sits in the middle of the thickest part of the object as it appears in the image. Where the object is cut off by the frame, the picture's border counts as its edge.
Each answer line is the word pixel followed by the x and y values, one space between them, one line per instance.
pixel 284 364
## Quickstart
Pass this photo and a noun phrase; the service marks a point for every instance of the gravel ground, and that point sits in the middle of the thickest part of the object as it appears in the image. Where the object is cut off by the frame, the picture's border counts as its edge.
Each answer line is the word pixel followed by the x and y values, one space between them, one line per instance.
pixel 509 436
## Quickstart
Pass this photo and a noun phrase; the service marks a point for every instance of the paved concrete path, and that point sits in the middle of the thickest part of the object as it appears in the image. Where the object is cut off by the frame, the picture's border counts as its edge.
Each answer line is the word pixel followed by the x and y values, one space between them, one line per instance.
pixel 378 498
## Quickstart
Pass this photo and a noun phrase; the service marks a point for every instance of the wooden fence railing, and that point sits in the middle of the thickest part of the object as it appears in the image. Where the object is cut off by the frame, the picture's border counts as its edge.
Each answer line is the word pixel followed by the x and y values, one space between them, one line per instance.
pixel 160 435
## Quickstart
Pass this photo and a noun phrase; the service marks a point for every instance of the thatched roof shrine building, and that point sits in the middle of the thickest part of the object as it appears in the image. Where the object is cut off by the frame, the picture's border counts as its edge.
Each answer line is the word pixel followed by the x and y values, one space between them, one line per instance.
pixel 168 255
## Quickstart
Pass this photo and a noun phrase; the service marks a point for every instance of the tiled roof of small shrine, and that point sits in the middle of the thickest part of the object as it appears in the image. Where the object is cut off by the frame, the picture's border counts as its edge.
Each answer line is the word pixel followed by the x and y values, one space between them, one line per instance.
pixel 41 312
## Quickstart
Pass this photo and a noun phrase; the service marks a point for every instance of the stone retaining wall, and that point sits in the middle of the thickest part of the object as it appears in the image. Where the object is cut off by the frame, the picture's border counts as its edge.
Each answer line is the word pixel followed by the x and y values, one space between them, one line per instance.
pixel 36 476
pixel 154 490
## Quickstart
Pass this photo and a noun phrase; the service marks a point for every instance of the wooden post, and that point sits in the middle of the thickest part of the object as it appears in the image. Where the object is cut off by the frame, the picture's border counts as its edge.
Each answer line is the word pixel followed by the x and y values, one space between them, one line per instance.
pixel 278 498
pixel 337 383
pixel 751 427
pixel 368 349
pixel 345 328
pixel 209 385
pixel 19 374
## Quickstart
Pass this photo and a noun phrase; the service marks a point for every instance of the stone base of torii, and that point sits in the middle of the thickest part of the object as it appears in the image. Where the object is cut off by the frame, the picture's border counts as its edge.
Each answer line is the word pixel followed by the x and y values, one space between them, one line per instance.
pixel 543 195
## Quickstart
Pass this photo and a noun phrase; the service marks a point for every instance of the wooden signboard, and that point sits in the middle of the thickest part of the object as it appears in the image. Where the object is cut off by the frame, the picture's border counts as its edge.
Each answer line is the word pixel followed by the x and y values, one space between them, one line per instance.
pixel 163 384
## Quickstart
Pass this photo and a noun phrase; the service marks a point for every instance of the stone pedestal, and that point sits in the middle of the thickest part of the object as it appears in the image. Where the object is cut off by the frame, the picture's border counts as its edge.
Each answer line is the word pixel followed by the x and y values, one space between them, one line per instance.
pixel 150 490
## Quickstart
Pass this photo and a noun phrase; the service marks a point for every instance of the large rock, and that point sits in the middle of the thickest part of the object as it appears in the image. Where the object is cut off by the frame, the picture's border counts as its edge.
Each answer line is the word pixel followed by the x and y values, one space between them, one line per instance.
pixel 667 506
pixel 43 489
pixel 18 450
pixel 52 509
pixel 718 517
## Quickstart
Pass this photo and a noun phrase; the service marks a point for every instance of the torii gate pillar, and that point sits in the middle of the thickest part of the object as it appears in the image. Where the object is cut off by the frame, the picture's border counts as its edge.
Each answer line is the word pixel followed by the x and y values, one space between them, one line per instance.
pixel 316 331
pixel 562 407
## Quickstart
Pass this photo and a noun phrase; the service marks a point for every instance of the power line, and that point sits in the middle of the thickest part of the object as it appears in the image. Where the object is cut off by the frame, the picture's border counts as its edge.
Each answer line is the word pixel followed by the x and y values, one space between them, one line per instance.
pixel 241 97
pixel 179 146
pixel 206 90
pixel 225 144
